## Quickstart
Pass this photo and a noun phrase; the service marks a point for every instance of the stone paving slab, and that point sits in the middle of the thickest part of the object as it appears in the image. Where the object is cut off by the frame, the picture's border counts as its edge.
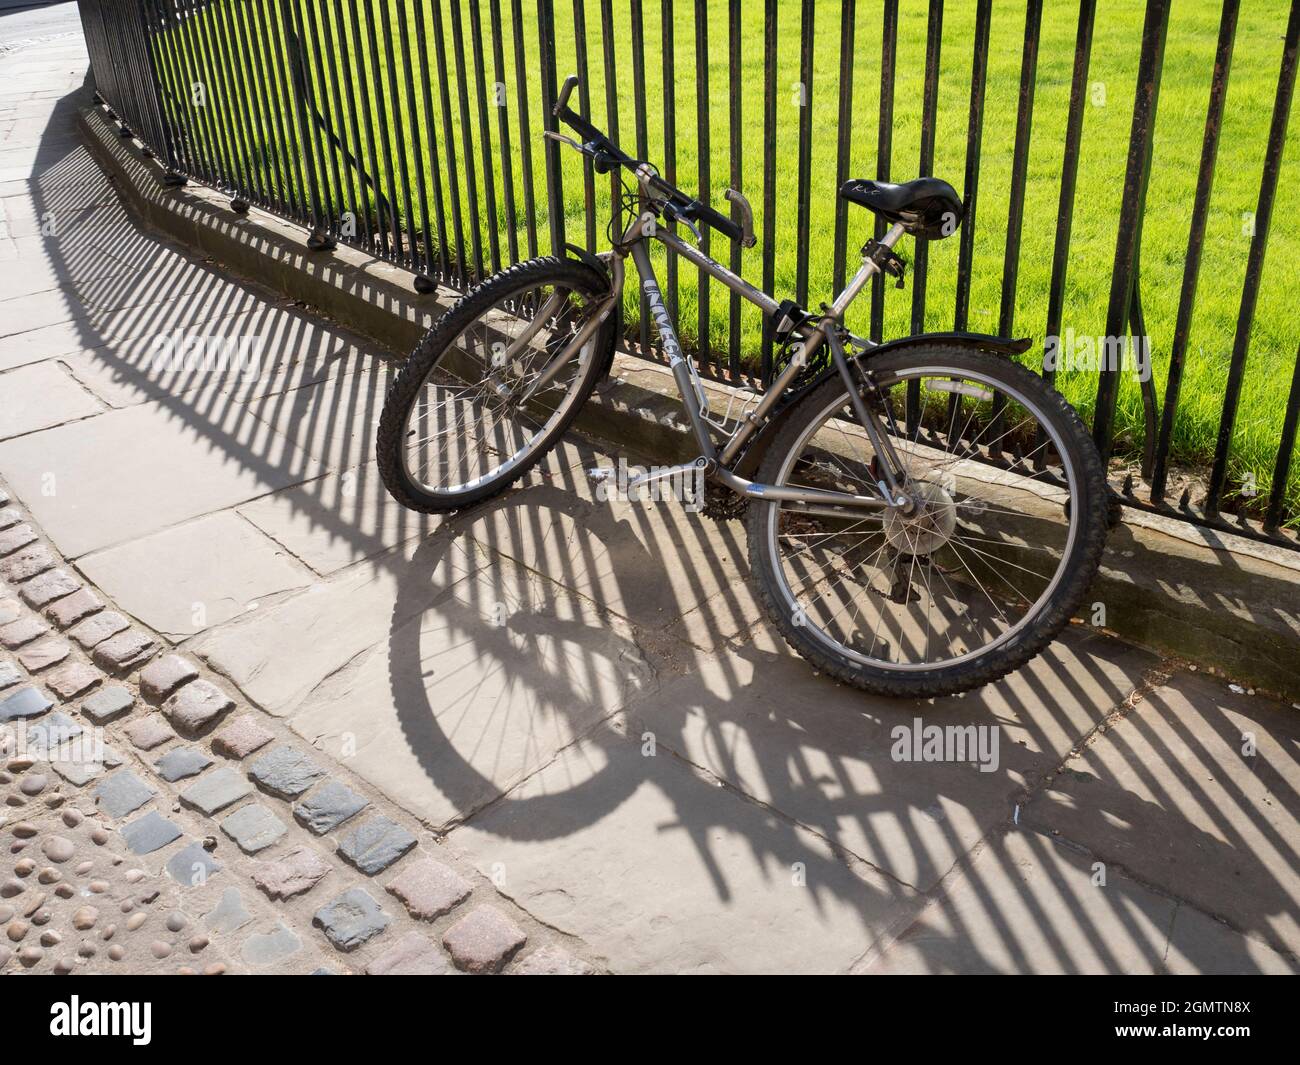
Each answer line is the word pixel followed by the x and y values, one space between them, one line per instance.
pixel 219 567
pixel 38 396
pixel 1194 791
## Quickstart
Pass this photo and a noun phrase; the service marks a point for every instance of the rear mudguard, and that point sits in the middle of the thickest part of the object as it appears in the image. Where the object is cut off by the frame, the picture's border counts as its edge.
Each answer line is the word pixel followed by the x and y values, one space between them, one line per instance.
pixel 613 328
pixel 757 448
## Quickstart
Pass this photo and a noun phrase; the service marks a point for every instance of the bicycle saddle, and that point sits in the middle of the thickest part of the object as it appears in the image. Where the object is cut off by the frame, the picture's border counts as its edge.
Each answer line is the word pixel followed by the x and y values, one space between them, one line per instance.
pixel 927 207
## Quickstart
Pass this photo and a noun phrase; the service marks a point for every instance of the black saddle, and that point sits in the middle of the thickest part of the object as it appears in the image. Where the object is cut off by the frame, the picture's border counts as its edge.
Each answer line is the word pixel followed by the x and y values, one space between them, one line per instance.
pixel 926 207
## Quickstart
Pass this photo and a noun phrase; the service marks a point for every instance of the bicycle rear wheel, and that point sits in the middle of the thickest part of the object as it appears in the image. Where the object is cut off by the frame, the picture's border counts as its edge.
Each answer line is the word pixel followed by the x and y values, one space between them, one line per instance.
pixel 454 430
pixel 1007 529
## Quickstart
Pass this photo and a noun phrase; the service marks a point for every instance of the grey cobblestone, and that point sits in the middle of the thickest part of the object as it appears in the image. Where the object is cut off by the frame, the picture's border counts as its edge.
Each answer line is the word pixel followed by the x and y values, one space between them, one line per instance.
pixel 285 771
pixel 10 516
pixel 253 828
pixel 9 675
pixel 483 940
pixel 125 651
pixel 375 845
pixel 49 586
pixel 122 793
pixel 229 915
pixel 351 919
pixel 109 702
pixel 197 706
pixel 164 675
pixel 328 807
pixel 181 762
pixel 98 627
pixel 10 609
pixel 192 866
pixel 264 949
pixel 25 702
pixel 216 790
pixel 150 833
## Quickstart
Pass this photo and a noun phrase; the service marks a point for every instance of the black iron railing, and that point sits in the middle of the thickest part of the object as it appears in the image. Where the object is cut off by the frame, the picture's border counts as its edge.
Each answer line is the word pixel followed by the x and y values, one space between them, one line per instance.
pixel 410 128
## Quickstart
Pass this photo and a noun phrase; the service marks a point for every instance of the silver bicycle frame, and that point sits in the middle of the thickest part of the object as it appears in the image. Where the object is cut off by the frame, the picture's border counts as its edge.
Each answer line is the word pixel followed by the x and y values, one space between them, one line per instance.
pixel 717 462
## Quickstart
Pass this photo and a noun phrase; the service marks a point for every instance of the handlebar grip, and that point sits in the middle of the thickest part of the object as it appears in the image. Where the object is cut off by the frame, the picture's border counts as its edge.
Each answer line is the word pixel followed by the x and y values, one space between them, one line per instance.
pixel 566 90
pixel 720 222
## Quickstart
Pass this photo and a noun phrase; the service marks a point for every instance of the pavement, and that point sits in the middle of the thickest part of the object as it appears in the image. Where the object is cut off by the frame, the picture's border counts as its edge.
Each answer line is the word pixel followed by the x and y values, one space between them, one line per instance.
pixel 573 707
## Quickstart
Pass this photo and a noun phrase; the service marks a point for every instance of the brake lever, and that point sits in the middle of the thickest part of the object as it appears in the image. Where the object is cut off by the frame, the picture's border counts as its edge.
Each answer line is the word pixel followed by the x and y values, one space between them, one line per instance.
pixel 553 135
pixel 747 239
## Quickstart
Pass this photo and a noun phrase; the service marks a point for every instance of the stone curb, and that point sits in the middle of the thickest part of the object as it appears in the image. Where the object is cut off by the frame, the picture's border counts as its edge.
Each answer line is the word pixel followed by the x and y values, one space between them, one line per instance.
pixel 202 824
pixel 1223 601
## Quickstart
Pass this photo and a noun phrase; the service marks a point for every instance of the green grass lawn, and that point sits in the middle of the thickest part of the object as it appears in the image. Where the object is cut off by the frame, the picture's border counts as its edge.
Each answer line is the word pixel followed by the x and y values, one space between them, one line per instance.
pixel 1179 130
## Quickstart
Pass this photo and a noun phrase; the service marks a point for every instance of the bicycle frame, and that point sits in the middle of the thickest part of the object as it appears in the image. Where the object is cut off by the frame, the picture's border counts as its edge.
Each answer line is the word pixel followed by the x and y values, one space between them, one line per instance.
pixel 714 462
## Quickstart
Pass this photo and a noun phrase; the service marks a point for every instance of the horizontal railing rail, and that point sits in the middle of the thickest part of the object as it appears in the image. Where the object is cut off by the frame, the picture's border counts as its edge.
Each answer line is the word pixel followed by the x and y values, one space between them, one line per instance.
pixel 410 129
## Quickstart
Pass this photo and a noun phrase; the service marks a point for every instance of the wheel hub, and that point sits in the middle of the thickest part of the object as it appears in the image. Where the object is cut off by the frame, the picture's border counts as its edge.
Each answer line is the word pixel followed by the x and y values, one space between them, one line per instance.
pixel 929 524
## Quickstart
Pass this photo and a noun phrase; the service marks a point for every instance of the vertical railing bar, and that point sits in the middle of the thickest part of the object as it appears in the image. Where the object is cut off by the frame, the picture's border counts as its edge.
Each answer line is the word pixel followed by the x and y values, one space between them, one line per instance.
pixel 382 204
pixel 467 139
pixel 300 85
pixel 431 147
pixel 166 38
pixel 921 253
pixel 360 181
pixel 554 175
pixel 974 143
pixel 525 128
pixel 220 62
pixel 705 358
pixel 642 149
pixel 323 106
pixel 1131 208
pixel 273 138
pixel 1285 451
pixel 584 109
pixel 404 235
pixel 669 161
pixel 1195 241
pixel 611 105
pixel 484 136
pixel 884 146
pixel 848 16
pixel 1255 262
pixel 449 144
pixel 290 169
pixel 422 261
pixel 769 180
pixel 503 132
pixel 735 88
pixel 382 124
pixel 805 150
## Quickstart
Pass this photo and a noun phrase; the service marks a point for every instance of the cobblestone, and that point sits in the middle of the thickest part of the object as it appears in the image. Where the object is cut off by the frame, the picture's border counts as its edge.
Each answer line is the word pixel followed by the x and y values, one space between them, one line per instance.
pixel 351 919
pixel 72 678
pixel 483 940
pixel 49 586
pixel 285 771
pixel 27 563
pixel 375 845
pixel 98 628
pixel 150 833
pixel 216 790
pixel 294 874
pixel 16 536
pixel 72 608
pixel 149 732
pixel 241 737
pixel 10 516
pixel 9 675
pixel 412 955
pixel 328 807
pixel 25 702
pixel 164 675
pixel 125 651
pixel 109 702
pixel 193 866
pixel 23 631
pixel 122 793
pixel 552 961
pixel 265 949
pixel 44 653
pixel 181 762
pixel 253 828
pixel 197 706
pixel 429 888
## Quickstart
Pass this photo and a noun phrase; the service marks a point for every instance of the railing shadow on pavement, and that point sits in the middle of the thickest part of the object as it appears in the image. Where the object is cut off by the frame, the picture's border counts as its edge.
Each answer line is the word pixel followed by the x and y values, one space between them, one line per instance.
pixel 811 757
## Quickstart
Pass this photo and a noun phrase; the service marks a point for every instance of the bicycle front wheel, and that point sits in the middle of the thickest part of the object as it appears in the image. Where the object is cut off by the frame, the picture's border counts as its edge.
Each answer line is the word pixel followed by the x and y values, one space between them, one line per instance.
pixel 457 427
pixel 1004 534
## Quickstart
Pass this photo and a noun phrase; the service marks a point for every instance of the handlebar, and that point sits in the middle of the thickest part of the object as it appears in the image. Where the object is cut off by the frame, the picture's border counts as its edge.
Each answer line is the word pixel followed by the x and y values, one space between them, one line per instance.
pixel 677 204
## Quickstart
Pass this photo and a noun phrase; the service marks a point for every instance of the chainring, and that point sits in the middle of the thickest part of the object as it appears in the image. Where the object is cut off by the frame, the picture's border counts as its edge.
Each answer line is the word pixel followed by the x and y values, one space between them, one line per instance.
pixel 721 503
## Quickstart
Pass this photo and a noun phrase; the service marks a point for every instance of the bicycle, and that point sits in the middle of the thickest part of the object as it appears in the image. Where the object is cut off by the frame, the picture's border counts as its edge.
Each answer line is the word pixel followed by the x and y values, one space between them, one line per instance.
pixel 924 515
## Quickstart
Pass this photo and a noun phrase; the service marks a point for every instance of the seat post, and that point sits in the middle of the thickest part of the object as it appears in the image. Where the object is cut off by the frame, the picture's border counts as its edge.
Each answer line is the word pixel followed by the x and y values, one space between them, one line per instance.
pixel 865 273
